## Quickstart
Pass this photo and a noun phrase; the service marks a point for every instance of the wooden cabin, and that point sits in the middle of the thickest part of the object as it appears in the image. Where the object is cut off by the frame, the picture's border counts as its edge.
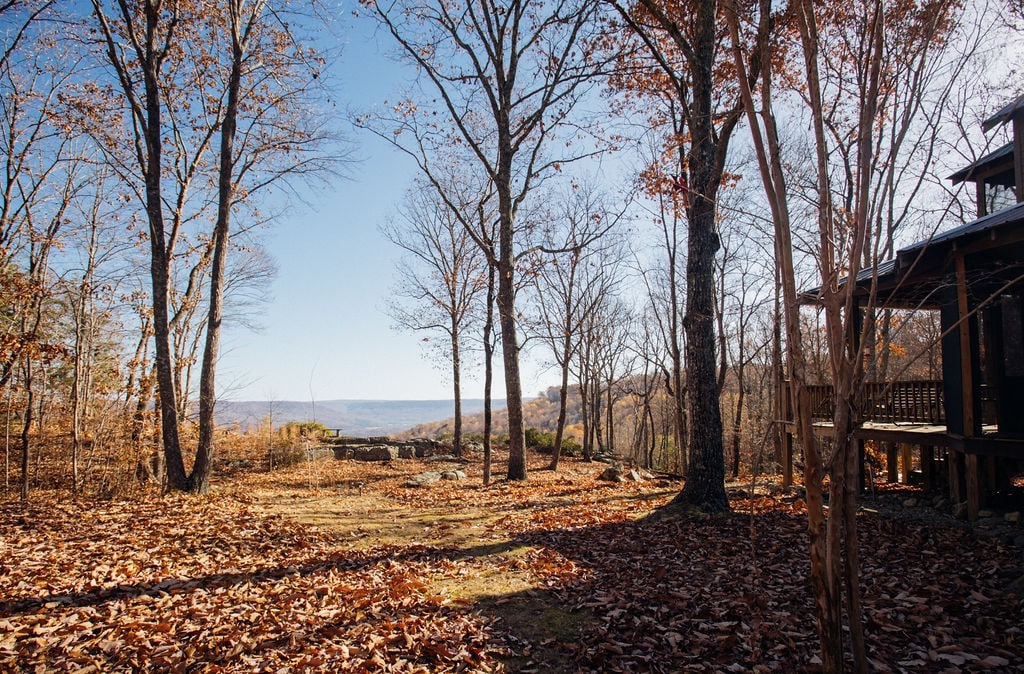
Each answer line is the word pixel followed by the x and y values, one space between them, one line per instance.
pixel 968 426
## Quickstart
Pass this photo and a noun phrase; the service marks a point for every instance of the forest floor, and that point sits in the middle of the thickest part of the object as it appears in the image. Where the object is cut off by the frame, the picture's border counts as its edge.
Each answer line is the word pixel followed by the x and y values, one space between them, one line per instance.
pixel 338 566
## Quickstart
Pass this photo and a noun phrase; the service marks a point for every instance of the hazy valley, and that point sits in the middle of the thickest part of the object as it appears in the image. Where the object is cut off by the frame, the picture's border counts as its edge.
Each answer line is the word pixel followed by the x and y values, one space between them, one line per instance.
pixel 353 417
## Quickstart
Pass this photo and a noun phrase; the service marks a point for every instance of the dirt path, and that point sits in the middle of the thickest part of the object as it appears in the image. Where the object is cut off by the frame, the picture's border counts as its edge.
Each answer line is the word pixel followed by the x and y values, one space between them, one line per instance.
pixel 367 505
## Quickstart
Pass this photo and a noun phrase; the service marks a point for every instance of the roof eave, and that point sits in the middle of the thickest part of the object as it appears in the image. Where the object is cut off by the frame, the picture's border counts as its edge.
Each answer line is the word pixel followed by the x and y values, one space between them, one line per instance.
pixel 1004 115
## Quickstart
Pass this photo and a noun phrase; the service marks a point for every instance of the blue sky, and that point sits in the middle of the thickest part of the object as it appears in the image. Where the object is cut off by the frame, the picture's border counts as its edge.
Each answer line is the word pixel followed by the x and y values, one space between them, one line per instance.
pixel 326 334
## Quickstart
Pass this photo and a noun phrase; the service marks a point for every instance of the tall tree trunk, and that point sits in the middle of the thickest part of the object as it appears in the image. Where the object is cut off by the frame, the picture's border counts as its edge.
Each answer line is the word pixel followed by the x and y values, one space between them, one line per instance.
pixel 26 428
pixel 240 27
pixel 507 319
pixel 677 390
pixel 610 419
pixel 77 386
pixel 778 374
pixel 584 384
pixel 457 389
pixel 652 435
pixel 737 419
pixel 737 425
pixel 563 404
pixel 488 372
pixel 159 256
pixel 825 587
pixel 513 385
pixel 705 483
pixel 199 480
pixel 7 444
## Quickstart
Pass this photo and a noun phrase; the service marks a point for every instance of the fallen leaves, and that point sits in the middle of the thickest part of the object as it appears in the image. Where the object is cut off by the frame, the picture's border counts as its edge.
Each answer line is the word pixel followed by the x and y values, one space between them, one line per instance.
pixel 219 585
pixel 213 585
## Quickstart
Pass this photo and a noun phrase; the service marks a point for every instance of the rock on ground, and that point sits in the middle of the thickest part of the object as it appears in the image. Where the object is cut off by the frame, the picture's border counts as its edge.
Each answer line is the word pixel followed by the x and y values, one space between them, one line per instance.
pixel 423 479
pixel 375 453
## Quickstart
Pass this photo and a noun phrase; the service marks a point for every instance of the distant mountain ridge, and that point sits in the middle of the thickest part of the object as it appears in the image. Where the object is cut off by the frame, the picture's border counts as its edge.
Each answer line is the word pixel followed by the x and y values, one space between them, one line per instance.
pixel 353 417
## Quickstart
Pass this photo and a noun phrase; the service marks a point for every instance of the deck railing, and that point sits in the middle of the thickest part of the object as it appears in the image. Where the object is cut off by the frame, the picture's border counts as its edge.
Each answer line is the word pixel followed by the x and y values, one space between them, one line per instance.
pixel 890 402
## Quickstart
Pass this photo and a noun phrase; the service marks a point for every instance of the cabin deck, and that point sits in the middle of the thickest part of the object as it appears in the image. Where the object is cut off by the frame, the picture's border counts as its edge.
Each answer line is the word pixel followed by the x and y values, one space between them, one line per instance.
pixel 906 421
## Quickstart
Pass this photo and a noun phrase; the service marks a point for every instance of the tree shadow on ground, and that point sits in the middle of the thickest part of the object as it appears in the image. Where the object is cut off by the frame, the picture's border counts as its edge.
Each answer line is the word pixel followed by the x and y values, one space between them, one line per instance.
pixel 730 593
pixel 724 593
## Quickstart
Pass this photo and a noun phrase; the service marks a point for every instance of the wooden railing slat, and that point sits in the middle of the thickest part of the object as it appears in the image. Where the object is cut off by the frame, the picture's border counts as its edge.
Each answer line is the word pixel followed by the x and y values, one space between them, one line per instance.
pixel 918 401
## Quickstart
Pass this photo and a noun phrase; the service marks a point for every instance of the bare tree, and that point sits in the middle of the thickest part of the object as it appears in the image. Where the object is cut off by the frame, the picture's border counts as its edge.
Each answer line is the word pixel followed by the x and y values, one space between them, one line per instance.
pixel 43 172
pixel 663 288
pixel 266 136
pixel 36 183
pixel 600 332
pixel 744 277
pixel 190 75
pixel 440 280
pixel 682 43
pixel 578 262
pixel 848 235
pixel 90 283
pixel 508 77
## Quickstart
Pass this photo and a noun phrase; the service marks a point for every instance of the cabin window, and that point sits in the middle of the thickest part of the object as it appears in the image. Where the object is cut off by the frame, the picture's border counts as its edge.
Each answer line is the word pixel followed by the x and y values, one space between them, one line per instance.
pixel 998 197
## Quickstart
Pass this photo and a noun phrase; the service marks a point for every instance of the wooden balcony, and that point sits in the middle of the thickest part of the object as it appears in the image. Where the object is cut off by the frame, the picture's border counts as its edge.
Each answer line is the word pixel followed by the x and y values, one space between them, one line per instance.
pixel 911 402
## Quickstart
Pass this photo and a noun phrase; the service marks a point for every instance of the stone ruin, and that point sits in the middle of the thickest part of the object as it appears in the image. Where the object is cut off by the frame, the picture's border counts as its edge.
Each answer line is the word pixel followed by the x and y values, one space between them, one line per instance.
pixel 383 448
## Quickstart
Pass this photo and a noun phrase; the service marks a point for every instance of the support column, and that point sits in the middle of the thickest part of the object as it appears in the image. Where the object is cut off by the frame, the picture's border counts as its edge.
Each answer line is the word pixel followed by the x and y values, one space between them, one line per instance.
pixel 955 477
pixel 891 463
pixel 961 369
pixel 787 459
pixel 973 492
pixel 906 461
pixel 928 466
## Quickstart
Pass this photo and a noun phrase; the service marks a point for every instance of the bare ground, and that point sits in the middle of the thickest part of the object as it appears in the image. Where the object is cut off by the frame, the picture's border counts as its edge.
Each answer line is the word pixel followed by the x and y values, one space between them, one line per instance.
pixel 367 505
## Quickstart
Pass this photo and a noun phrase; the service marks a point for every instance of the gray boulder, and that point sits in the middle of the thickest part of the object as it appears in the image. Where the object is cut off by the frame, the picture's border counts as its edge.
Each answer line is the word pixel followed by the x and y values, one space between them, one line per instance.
pixel 453 475
pixel 375 453
pixel 424 446
pixel 423 479
pixel 612 474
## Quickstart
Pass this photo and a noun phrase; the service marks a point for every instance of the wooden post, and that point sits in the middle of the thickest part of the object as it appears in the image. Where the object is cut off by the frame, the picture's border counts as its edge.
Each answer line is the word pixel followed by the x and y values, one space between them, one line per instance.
pixel 892 467
pixel 972 420
pixel 973 492
pixel 1018 154
pixel 955 481
pixel 787 459
pixel 928 466
pixel 906 461
pixel 967 358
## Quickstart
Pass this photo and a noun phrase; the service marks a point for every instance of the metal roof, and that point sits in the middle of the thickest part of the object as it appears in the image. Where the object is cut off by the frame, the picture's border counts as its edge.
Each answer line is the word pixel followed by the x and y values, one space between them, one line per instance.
pixel 890 271
pixel 991 158
pixel 884 269
pixel 982 224
pixel 1004 115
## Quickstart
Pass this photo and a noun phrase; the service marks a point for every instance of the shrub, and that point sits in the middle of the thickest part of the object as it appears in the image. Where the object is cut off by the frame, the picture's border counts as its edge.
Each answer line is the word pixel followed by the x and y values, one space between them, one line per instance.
pixel 303 429
pixel 540 440
pixel 286 454
pixel 571 446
